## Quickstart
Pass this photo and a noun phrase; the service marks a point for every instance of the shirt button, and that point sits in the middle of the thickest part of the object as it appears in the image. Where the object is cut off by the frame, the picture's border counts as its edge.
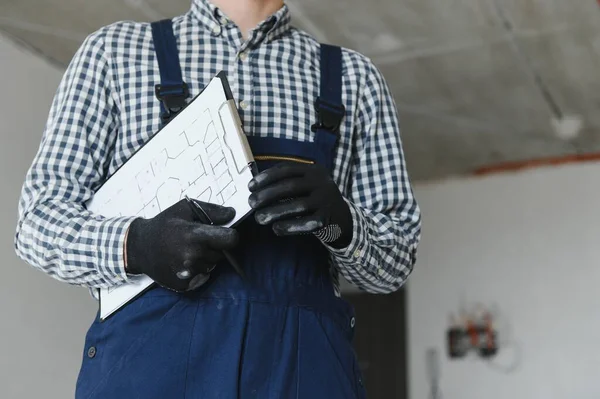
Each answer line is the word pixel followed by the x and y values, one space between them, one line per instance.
pixel 224 21
pixel 357 253
pixel 91 352
pixel 380 272
pixel 352 322
pixel 244 104
pixel 217 30
pixel 243 56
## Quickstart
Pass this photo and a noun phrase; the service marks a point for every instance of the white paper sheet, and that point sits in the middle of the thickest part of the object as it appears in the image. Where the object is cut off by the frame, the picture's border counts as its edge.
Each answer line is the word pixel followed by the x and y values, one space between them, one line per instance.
pixel 202 153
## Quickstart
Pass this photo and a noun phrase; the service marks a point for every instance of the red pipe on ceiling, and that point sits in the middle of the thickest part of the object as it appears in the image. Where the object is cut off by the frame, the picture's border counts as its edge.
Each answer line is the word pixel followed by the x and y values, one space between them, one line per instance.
pixel 536 163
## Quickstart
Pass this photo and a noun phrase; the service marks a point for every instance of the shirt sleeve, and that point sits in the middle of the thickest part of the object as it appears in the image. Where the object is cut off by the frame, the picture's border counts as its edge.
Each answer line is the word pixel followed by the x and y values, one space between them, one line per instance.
pixel 55 232
pixel 386 216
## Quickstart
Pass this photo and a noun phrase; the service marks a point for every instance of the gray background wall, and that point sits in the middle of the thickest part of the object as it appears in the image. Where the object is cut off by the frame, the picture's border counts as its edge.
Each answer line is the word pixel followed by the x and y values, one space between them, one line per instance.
pixel 43 321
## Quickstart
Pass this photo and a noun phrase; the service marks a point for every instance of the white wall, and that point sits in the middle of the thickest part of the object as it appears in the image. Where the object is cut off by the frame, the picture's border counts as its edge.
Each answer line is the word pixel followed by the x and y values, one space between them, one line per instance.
pixel 43 321
pixel 530 244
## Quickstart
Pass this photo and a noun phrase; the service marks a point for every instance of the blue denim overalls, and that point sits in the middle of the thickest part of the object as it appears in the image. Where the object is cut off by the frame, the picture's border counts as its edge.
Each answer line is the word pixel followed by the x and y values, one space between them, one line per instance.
pixel 280 334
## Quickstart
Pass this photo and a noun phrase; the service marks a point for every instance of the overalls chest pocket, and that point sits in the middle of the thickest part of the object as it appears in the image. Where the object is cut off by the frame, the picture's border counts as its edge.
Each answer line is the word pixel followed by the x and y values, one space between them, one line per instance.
pixel 268 151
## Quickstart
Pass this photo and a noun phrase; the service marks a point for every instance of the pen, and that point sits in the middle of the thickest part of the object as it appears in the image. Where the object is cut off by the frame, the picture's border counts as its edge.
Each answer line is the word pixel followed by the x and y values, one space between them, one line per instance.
pixel 204 218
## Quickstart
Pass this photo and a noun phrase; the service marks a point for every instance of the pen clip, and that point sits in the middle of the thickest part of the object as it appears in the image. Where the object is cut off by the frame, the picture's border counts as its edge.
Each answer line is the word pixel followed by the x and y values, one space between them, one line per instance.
pixel 197 206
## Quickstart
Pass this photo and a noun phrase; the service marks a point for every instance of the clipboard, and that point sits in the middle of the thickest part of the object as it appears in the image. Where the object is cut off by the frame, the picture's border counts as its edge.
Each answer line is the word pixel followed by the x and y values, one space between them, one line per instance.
pixel 203 153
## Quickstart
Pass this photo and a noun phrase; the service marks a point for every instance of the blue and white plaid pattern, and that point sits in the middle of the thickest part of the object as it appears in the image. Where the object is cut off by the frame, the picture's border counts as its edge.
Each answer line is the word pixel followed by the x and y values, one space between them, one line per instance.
pixel 105 109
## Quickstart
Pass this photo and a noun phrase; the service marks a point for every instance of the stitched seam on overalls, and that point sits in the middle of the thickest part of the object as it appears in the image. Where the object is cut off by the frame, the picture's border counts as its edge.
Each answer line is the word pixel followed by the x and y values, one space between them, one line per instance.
pixel 315 309
pixel 193 329
pixel 298 359
pixel 273 360
pixel 243 348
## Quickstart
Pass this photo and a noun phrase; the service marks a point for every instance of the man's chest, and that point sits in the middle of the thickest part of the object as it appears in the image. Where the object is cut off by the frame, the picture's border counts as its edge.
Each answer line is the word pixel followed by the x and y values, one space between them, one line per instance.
pixel 275 87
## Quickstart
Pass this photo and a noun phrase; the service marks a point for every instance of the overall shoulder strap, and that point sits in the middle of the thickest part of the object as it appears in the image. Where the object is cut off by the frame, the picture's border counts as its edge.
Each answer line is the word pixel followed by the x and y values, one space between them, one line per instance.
pixel 172 92
pixel 330 109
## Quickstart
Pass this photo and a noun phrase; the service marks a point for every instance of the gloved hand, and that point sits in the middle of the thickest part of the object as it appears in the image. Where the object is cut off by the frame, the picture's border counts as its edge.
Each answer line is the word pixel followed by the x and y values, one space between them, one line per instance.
pixel 177 251
pixel 301 199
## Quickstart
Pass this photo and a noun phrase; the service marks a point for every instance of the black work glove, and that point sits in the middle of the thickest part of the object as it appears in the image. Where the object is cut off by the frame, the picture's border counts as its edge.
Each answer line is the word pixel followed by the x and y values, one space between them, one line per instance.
pixel 177 251
pixel 301 199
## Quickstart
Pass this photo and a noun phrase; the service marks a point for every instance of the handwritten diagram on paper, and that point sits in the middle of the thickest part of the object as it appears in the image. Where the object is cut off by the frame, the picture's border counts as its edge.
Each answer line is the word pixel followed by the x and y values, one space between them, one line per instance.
pixel 193 164
pixel 202 153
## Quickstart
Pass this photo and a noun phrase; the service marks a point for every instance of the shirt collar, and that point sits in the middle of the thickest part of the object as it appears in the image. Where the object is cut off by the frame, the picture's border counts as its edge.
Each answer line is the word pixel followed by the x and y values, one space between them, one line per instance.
pixel 213 18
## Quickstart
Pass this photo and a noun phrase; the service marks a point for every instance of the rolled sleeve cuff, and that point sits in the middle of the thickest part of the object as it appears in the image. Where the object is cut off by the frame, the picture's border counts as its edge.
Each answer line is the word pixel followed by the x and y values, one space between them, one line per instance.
pixel 356 252
pixel 110 247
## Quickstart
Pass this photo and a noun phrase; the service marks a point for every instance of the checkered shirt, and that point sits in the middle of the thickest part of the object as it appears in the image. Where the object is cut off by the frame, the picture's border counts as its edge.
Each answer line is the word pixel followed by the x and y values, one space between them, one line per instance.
pixel 105 109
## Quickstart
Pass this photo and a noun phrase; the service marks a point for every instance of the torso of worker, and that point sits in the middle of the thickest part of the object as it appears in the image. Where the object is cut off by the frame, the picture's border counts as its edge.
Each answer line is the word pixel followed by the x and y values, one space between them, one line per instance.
pixel 287 334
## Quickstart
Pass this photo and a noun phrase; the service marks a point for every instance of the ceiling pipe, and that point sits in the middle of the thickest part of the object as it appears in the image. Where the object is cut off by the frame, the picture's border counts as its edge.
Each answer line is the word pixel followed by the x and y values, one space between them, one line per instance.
pixel 536 163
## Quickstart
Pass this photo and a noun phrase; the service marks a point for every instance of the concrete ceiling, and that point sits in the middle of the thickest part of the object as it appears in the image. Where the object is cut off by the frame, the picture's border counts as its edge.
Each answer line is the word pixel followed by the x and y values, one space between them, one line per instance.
pixel 477 82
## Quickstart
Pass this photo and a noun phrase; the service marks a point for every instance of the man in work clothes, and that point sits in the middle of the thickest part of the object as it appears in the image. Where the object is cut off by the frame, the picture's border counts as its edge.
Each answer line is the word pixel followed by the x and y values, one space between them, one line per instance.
pixel 332 197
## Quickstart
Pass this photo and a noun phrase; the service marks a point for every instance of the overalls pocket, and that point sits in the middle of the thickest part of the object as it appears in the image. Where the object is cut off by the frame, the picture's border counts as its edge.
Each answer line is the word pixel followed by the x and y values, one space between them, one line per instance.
pixel 117 350
pixel 327 362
